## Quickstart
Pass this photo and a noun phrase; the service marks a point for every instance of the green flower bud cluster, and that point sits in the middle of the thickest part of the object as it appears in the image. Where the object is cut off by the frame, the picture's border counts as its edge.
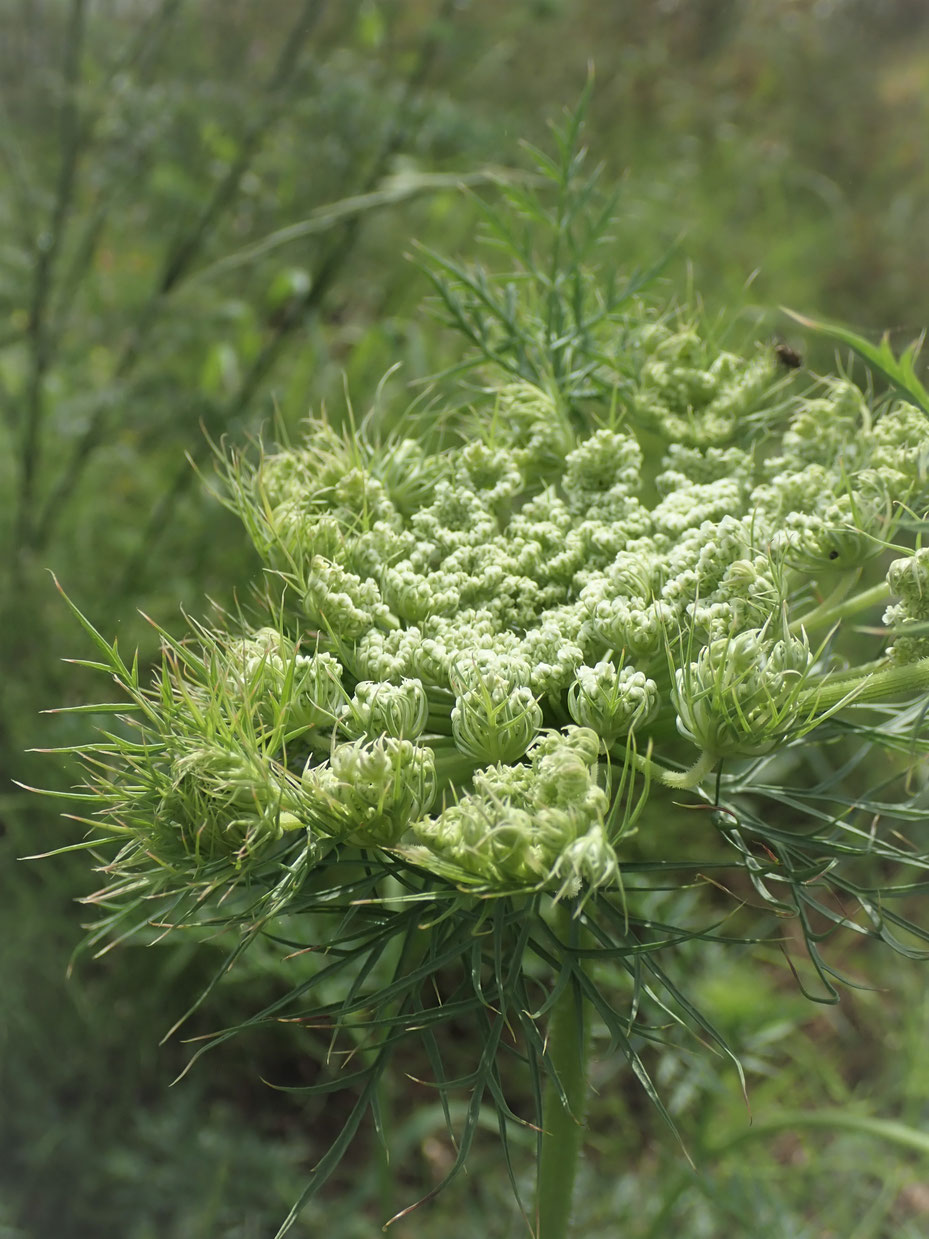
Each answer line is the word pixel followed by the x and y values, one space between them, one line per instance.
pixel 612 702
pixel 685 467
pixel 541 824
pixel 360 500
pixel 494 718
pixel 295 692
pixel 289 475
pixel 413 596
pixel 533 426
pixel 369 792
pixel 899 451
pixel 490 472
pixel 847 530
pixel 826 428
pixel 386 709
pixel 698 503
pixel 302 502
pixel 408 472
pixel 552 568
pixel 553 651
pixel 689 399
pixel 742 696
pixel 337 601
pixel 456 518
pixel 533 574
pixel 908 579
pixel 290 539
pixel 751 590
pixel 639 627
pixel 223 799
pixel 604 467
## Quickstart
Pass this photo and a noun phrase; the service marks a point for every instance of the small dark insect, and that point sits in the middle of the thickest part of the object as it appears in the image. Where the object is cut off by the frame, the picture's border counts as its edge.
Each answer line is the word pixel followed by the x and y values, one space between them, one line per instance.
pixel 788 357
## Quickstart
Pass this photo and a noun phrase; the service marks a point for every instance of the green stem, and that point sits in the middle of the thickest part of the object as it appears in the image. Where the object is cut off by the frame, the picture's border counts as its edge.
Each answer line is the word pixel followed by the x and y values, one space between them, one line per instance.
pixel 871 686
pixel 563 1125
pixel 451 765
pixel 677 778
pixel 850 674
pixel 825 614
pixel 408 953
pixel 832 599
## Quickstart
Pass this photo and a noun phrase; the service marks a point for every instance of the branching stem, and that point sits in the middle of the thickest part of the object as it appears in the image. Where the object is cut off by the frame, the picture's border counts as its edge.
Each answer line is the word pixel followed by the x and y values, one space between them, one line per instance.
pixel 829 612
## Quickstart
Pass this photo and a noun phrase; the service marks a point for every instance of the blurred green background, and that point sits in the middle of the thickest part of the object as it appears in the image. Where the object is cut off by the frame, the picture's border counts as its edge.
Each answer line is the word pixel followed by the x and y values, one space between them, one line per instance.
pixel 207 209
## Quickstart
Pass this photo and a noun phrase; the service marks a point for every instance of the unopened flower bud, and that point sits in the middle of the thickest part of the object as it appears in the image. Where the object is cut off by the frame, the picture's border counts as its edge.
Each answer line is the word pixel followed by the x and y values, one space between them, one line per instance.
pixel 742 695
pixel 398 710
pixel 493 722
pixel 612 702
pixel 369 793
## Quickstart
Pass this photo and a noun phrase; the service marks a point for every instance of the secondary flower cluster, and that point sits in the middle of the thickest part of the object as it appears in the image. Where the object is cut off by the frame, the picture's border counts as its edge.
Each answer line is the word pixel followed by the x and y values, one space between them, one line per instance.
pixel 483 649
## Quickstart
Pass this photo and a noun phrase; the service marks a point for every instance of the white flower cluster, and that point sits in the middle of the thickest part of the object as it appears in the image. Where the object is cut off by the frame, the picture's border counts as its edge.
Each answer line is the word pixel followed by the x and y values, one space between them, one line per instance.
pixel 645 577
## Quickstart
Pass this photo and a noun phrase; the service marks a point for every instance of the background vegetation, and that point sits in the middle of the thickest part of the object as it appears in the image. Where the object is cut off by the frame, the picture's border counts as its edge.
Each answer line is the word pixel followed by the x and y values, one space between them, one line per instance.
pixel 206 208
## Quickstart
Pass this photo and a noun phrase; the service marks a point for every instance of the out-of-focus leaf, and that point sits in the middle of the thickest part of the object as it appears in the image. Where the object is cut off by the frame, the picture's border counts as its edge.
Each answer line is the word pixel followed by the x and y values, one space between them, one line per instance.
pixel 900 371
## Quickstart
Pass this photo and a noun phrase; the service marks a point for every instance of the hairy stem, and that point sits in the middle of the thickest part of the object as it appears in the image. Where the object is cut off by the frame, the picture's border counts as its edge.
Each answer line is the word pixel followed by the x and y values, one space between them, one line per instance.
pixel 563 1124
pixel 683 779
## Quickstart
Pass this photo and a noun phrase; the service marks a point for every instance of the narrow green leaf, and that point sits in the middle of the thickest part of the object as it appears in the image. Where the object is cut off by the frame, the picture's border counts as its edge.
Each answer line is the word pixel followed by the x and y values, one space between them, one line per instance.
pixel 899 371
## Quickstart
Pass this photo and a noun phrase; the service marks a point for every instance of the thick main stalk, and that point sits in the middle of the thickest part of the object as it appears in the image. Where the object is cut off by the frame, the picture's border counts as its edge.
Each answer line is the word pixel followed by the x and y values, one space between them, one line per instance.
pixel 563 1125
